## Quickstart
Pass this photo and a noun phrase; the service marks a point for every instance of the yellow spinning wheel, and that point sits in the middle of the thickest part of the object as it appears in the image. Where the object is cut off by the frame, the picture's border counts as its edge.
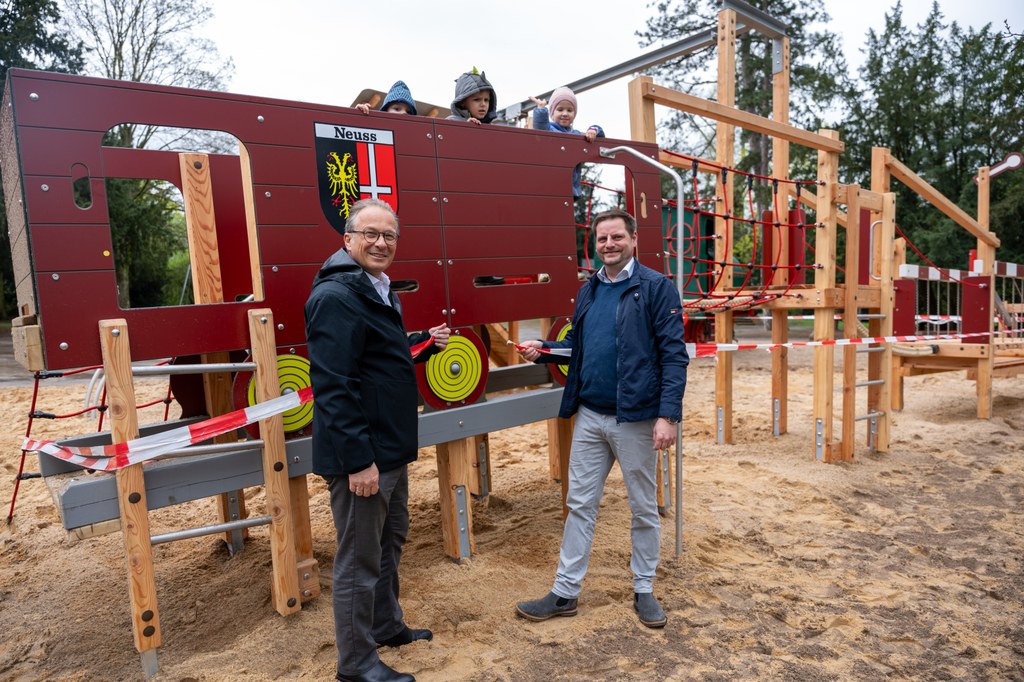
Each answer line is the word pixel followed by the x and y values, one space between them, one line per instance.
pixel 457 375
pixel 559 330
pixel 293 375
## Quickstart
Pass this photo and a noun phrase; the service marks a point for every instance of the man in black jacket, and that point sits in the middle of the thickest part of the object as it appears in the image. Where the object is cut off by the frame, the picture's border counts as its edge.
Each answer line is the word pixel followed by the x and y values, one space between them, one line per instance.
pixel 365 435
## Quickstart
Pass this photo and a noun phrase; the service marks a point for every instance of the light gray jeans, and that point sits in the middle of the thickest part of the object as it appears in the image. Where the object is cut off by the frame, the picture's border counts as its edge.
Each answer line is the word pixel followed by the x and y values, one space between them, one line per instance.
pixel 597 443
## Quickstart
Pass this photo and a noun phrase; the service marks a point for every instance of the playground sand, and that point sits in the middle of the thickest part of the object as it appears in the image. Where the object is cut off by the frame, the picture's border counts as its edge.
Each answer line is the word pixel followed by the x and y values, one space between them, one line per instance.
pixel 905 565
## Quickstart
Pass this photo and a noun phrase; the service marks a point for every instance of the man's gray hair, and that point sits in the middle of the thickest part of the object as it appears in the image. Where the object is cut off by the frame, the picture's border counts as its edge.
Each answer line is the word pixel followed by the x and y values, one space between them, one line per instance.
pixel 362 205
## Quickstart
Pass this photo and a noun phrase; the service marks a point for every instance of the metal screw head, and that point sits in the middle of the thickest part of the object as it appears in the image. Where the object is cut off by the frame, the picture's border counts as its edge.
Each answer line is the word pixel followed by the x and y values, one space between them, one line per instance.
pixel 444 311
pixel 44 187
pixel 115 332
pixel 55 276
pixel 429 136
pixel 273 269
pixel 440 136
pixel 266 194
pixel 263 319
pixel 440 263
pixel 566 203
pixel 33 96
pixel 434 199
pixel 450 262
pixel 562 148
pixel 259 119
pixel 572 300
pixel 445 200
pixel 461 423
pixel 197 164
pixel 63 345
pixel 453 311
pixel 280 327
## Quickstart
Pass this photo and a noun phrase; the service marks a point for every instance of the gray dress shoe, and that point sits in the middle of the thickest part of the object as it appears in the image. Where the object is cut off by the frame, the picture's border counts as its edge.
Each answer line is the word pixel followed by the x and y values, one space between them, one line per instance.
pixel 650 611
pixel 548 606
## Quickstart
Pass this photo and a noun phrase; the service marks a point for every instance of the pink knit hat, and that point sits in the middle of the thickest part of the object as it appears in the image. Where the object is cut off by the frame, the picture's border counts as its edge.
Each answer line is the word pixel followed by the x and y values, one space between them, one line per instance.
pixel 562 94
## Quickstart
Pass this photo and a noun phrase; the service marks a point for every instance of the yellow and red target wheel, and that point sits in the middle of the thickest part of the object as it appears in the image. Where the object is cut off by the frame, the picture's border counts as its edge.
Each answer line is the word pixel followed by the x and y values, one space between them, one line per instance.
pixel 457 375
pixel 292 375
pixel 559 329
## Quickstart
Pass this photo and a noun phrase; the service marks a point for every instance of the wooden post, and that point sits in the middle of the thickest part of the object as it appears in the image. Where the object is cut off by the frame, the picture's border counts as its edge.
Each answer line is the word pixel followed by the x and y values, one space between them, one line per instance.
pixel 825 279
pixel 724 155
pixel 455 472
pixel 131 492
pixel 641 112
pixel 284 584
pixel 780 322
pixel 846 445
pixel 886 304
pixel 987 256
pixel 207 287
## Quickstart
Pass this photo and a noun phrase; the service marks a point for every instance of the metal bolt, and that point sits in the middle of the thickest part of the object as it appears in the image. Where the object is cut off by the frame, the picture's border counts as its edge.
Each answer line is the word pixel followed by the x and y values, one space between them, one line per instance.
pixel 115 332
pixel 63 345
pixel 453 311
pixel 291 602
pixel 440 263
pixel 45 188
pixel 450 262
pixel 280 327
pixel 445 200
pixel 55 276
pixel 563 149
pixel 266 194
pixel 429 136
pixel 291 351
pixel 197 165
pixel 584 150
pixel 306 593
pixel 273 269
pixel 434 199
pixel 572 300
pixel 566 203
pixel 440 136
pixel 134 498
pixel 295 459
pixel 259 119
pixel 305 576
pixel 460 423
pixel 33 96
pixel 444 312
pixel 263 319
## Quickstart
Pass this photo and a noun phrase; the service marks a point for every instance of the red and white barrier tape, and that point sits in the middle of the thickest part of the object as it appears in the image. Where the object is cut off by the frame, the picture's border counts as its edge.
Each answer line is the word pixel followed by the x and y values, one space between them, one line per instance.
pixel 111 457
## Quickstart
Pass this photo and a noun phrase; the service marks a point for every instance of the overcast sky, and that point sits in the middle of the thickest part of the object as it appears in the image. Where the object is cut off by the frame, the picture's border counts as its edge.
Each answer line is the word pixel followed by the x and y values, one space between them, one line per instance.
pixel 327 52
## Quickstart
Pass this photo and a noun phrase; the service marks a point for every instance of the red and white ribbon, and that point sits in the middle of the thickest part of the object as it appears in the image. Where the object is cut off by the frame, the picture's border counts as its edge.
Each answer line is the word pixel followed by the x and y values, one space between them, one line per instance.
pixel 111 457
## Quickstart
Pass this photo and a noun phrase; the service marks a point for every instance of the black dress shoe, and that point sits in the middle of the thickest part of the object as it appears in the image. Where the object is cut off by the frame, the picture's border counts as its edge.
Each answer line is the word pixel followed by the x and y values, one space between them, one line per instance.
pixel 407 636
pixel 378 673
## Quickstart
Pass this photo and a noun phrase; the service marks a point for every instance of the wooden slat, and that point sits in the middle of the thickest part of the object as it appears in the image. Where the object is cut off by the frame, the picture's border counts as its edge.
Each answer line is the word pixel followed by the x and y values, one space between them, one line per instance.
pixel 641 111
pixel 284 584
pixel 880 397
pixel 306 566
pixel 824 278
pixel 250 221
pixel 939 201
pixel 677 162
pixel 780 326
pixel 733 116
pixel 131 488
pixel 852 266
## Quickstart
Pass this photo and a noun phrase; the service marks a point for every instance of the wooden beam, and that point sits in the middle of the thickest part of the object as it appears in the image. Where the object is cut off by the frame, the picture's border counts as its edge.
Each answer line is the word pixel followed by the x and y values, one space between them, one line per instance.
pixel 284 585
pixel 849 408
pixel 939 201
pixel 728 114
pixel 825 278
pixel 641 111
pixel 131 487
pixel 675 161
pixel 779 415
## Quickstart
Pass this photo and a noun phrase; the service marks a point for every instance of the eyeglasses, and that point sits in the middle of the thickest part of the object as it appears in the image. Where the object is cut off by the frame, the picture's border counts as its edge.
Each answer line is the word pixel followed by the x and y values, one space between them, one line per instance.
pixel 371 236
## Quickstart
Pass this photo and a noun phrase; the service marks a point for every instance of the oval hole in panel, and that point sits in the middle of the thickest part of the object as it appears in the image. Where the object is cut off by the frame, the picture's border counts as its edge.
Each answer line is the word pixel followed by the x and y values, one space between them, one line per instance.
pixel 80 186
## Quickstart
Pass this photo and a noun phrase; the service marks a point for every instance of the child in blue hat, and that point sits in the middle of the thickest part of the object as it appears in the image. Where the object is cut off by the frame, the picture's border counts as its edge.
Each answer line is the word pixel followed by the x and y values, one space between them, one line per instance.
pixel 398 101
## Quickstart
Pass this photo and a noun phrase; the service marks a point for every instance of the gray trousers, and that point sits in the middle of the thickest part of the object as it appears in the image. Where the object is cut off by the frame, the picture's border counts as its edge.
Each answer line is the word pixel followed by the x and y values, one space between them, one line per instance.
pixel 597 443
pixel 371 532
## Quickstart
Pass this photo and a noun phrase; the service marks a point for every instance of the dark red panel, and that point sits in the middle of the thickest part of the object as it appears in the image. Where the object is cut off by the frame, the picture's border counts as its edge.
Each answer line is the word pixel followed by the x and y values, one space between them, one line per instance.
pixel 294 244
pixel 487 209
pixel 865 251
pixel 288 205
pixel 904 310
pixel 491 177
pixel 418 208
pixel 508 241
pixel 977 309
pixel 45 151
pixel 425 307
pixel 480 304
pixel 60 248
pixel 56 203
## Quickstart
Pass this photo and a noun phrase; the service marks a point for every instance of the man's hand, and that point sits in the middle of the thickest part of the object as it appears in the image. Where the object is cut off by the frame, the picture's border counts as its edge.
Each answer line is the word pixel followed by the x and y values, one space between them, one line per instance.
pixel 366 482
pixel 441 334
pixel 528 350
pixel 664 434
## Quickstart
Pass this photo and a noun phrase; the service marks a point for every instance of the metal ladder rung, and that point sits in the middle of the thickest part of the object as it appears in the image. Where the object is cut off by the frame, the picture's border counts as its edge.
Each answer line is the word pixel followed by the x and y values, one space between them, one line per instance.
pixel 870 349
pixel 870 382
pixel 210 530
pixel 870 316
pixel 869 415
pixel 212 368
pixel 215 448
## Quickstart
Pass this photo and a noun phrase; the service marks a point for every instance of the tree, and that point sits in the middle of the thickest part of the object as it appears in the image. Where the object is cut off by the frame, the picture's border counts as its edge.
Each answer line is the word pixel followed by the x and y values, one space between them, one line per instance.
pixel 945 100
pixel 28 40
pixel 151 41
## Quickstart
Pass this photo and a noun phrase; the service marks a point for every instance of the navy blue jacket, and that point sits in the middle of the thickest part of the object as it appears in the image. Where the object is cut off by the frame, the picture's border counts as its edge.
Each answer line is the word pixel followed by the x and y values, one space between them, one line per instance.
pixel 364 383
pixel 652 356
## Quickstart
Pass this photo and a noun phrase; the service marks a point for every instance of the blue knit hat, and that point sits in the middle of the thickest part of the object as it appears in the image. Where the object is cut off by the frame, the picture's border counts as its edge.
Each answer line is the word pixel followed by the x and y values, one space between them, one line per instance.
pixel 399 92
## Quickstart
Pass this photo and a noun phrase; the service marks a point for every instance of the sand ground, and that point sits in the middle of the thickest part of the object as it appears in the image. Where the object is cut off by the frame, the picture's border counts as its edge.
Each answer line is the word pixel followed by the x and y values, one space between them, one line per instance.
pixel 900 565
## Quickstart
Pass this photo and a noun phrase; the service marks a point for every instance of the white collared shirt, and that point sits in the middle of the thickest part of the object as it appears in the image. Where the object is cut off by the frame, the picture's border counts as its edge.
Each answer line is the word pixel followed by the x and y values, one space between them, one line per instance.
pixel 382 285
pixel 628 270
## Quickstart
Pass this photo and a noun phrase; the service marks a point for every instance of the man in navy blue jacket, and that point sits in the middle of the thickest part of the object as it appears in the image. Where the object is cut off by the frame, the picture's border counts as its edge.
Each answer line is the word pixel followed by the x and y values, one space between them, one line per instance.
pixel 626 379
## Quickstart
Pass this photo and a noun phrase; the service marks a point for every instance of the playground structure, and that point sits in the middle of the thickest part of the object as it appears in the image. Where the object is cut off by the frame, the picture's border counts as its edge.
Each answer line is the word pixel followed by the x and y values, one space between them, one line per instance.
pixel 487 238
